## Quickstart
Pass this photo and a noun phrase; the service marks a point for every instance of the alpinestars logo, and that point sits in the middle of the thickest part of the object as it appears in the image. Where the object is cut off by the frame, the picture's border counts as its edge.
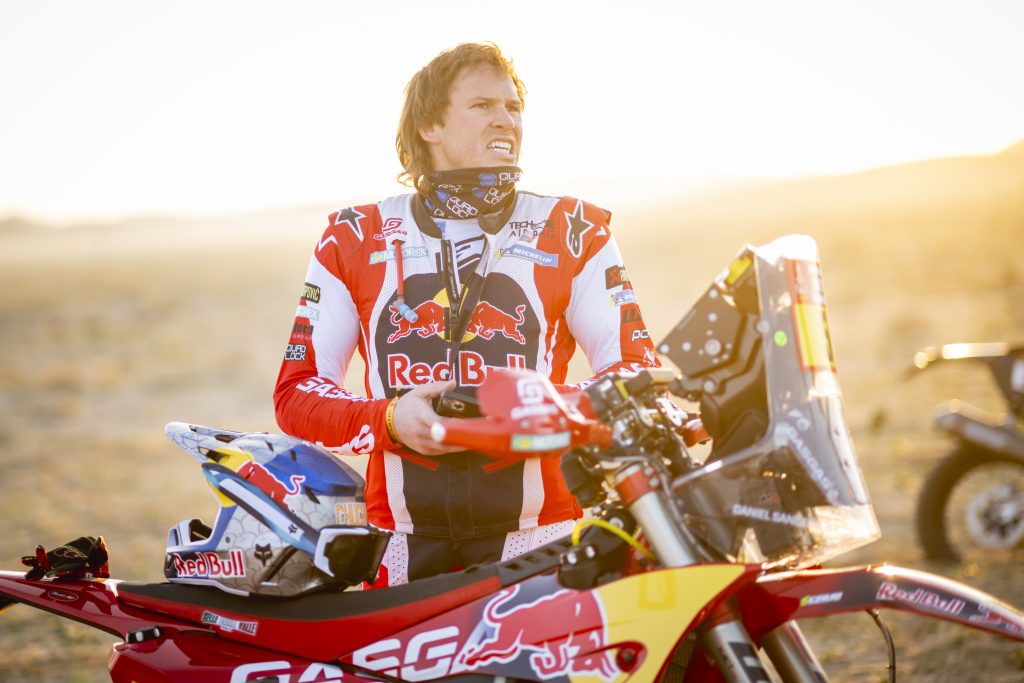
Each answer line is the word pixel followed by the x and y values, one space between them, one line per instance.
pixel 578 227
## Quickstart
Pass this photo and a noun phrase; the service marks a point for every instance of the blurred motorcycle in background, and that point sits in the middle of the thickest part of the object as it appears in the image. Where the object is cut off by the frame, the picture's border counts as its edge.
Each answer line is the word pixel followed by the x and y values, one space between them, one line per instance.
pixel 972 502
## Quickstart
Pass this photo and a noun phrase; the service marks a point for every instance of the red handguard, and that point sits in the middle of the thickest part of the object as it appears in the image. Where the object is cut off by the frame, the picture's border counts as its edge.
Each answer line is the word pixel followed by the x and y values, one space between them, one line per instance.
pixel 525 418
pixel 510 441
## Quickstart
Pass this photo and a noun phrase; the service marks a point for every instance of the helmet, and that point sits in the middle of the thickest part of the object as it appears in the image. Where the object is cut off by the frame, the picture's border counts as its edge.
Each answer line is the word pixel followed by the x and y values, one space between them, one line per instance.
pixel 291 520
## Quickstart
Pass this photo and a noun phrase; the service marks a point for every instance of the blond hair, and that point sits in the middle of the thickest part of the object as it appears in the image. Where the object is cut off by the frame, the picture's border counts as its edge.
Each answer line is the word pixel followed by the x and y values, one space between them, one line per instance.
pixel 427 97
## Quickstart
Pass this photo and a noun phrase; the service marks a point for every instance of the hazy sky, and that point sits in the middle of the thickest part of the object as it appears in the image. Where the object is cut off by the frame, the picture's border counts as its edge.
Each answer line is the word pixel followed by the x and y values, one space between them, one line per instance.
pixel 109 108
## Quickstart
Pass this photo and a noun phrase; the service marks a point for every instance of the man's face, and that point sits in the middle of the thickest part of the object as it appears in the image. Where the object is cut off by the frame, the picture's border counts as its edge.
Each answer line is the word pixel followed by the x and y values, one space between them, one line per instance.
pixel 483 124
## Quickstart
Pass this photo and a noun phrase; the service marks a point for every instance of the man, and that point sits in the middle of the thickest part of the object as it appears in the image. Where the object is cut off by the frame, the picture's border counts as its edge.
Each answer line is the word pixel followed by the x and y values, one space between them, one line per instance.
pixel 435 289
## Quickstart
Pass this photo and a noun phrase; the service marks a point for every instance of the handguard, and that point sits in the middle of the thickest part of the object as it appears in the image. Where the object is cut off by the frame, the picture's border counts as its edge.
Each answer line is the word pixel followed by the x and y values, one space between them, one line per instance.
pixel 524 417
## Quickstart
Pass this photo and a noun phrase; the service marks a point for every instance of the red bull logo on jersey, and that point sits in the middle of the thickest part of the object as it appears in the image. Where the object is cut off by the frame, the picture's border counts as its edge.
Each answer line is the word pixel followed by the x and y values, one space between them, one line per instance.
pixel 429 321
pixel 486 321
pixel 539 628
pixel 403 372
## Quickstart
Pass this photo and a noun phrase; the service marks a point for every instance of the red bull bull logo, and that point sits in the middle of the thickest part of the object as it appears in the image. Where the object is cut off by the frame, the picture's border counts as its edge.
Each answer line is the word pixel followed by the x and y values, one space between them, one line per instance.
pixel 429 321
pixel 564 632
pixel 486 321
pixel 259 475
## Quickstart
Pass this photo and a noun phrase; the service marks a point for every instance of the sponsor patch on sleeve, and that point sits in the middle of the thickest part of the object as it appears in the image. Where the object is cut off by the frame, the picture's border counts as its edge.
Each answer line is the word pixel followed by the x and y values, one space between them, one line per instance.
pixel 295 352
pixel 311 293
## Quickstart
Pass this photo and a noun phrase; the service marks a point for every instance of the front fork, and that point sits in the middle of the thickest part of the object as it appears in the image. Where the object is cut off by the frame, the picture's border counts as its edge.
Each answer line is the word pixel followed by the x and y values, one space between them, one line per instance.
pixel 726 640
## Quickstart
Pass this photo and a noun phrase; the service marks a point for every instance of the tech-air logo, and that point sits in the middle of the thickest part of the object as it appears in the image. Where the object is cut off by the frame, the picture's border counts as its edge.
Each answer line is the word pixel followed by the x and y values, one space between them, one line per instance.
pixel 311 293
pixel 528 230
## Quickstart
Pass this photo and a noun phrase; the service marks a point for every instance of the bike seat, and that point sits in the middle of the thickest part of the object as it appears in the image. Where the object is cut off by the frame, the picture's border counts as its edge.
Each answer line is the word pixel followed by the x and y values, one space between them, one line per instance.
pixel 350 618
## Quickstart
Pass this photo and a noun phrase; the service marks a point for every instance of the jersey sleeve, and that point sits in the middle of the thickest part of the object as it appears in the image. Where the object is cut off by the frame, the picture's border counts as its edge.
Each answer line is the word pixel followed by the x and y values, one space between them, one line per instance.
pixel 310 401
pixel 603 314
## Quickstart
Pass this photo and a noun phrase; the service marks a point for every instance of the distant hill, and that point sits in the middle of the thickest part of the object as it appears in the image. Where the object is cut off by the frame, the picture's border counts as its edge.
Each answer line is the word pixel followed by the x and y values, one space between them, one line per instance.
pixel 1014 150
pixel 932 185
pixel 957 197
pixel 17 224
pixel 941 233
pixel 907 201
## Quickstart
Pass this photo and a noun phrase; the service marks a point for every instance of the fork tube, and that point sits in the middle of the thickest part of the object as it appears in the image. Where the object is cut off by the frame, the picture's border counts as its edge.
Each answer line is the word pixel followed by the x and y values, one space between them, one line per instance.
pixel 640 491
pixel 727 641
pixel 730 647
pixel 791 656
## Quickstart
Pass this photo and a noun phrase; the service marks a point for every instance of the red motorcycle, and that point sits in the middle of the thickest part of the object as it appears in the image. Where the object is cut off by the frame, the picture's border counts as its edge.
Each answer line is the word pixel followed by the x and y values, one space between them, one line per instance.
pixel 686 569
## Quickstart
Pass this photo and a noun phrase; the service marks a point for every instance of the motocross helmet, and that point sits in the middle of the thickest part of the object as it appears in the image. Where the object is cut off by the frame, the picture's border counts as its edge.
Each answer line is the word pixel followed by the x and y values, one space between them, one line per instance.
pixel 291 517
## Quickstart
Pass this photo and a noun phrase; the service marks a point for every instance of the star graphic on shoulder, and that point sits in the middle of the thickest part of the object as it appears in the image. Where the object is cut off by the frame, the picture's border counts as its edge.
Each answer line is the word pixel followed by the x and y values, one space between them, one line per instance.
pixel 350 216
pixel 578 227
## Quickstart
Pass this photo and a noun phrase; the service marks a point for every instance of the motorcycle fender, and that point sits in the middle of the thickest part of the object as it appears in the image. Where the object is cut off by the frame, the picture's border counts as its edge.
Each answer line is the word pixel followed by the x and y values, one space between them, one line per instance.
pixel 94 603
pixel 776 598
pixel 973 427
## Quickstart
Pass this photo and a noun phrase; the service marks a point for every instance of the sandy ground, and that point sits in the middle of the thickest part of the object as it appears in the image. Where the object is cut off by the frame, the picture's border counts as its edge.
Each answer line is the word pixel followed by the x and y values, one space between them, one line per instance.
pixel 105 338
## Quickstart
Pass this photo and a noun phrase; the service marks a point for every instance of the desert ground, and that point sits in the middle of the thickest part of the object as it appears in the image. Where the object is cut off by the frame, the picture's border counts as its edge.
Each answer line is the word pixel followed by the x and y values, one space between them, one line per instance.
pixel 109 332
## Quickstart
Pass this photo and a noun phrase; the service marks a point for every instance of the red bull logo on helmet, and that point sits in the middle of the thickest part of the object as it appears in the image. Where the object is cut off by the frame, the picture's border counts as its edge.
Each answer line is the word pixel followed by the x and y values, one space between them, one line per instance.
pixel 564 634
pixel 208 564
pixel 259 475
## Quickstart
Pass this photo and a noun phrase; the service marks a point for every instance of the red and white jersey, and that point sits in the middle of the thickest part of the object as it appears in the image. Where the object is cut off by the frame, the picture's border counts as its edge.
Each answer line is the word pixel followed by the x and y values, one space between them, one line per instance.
pixel 553 278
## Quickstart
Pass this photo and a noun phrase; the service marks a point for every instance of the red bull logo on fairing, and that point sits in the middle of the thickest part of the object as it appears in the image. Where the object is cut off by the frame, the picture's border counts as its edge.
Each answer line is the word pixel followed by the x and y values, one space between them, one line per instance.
pixel 486 321
pixel 540 628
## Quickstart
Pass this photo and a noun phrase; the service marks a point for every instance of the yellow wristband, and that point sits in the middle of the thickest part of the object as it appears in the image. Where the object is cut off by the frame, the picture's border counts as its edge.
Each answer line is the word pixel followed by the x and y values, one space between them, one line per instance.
pixel 389 419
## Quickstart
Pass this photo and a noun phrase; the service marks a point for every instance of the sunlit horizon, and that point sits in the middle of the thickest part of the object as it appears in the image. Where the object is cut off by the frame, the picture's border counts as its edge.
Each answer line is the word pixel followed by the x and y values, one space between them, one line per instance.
pixel 115 109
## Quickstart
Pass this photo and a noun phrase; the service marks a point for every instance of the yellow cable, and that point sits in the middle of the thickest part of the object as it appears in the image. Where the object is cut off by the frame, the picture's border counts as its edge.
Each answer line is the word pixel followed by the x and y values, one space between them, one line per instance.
pixel 578 529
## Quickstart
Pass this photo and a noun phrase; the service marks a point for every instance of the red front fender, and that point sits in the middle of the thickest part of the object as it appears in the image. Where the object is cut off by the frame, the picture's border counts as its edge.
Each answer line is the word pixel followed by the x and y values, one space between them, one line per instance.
pixel 776 598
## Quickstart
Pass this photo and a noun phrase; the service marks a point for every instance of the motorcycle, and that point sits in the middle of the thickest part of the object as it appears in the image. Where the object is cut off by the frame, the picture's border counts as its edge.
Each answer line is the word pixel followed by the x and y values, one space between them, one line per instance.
pixel 972 502
pixel 687 567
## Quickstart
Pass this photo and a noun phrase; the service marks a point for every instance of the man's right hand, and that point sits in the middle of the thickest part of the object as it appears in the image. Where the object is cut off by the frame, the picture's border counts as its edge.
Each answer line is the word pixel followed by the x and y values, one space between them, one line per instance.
pixel 414 415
